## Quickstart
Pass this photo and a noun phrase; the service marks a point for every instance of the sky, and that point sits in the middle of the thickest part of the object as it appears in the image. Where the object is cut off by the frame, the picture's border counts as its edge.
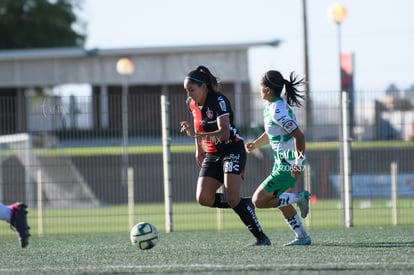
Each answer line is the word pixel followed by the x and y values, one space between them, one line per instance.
pixel 379 33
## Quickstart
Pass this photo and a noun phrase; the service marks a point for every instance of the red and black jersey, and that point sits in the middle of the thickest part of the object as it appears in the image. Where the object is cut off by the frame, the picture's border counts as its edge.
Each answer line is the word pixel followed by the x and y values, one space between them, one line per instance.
pixel 205 120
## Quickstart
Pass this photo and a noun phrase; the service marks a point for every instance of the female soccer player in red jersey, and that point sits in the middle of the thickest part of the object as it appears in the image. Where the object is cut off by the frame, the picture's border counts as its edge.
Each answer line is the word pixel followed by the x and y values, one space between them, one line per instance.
pixel 220 151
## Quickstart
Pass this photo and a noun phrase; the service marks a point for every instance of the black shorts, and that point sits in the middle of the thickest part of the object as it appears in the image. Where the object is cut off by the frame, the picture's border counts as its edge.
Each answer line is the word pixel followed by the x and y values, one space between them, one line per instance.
pixel 231 160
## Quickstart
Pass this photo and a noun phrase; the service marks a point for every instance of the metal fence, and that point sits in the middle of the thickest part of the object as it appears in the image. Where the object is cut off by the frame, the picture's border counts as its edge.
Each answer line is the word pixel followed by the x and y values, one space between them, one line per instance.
pixel 65 167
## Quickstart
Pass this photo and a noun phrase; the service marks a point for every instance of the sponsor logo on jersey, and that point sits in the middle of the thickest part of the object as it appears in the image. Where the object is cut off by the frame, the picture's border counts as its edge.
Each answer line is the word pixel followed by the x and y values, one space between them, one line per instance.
pixel 290 126
pixel 222 104
pixel 209 113
pixel 232 164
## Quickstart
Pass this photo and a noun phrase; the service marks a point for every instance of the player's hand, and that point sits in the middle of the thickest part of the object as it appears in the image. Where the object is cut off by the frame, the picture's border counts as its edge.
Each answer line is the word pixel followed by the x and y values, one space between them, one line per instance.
pixel 185 126
pixel 249 146
pixel 296 171
pixel 297 168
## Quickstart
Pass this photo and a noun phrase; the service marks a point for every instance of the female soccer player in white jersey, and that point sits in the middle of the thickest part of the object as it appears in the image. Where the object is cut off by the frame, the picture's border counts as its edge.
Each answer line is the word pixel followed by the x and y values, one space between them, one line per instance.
pixel 288 144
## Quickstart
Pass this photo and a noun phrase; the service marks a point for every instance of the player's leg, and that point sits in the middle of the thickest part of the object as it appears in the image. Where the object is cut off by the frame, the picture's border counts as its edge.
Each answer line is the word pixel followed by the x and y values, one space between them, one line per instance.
pixel 245 210
pixel 270 194
pixel 210 179
pixel 206 192
pixel 272 191
pixel 16 215
pixel 265 199
pixel 5 213
pixel 294 222
pixel 233 168
pixel 232 187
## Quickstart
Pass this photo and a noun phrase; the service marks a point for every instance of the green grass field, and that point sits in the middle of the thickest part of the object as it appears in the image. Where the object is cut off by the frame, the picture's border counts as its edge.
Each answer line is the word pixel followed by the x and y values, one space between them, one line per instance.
pixel 362 250
pixel 193 217
pixel 96 241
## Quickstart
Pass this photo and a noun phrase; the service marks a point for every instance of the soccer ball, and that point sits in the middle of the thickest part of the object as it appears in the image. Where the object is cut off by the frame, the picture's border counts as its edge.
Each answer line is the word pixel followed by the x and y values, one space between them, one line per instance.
pixel 144 235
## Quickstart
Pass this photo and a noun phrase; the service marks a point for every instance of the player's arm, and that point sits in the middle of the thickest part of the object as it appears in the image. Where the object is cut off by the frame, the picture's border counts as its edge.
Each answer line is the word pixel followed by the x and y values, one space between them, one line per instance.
pixel 223 131
pixel 299 152
pixel 185 126
pixel 299 142
pixel 262 140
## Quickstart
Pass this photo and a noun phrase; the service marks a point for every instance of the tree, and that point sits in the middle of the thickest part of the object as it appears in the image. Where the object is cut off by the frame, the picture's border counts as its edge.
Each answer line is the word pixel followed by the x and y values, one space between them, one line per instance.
pixel 40 24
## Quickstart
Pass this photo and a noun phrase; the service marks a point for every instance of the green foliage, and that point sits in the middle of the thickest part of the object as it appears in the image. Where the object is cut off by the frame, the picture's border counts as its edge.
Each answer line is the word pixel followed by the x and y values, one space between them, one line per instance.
pixel 39 24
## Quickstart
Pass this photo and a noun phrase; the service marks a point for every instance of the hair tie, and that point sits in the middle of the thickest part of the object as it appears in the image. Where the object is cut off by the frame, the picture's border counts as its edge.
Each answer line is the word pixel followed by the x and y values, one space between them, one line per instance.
pixel 194 79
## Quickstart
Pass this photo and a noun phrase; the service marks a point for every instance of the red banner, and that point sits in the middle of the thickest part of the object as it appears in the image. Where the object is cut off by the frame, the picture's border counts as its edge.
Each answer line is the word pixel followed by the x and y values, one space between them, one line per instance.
pixel 347 71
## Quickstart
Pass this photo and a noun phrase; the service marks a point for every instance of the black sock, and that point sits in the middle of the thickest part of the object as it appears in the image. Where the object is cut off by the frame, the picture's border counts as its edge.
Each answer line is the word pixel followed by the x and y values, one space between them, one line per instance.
pixel 220 201
pixel 249 218
pixel 247 200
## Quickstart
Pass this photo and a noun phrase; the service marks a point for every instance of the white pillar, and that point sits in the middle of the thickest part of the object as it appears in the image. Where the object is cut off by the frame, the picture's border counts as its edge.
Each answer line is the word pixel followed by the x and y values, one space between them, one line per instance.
pixel 347 174
pixel 165 118
pixel 394 192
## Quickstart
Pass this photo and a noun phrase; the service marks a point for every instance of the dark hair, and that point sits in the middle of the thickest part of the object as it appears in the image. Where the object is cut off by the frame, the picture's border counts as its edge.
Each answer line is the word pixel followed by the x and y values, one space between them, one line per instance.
pixel 203 75
pixel 275 81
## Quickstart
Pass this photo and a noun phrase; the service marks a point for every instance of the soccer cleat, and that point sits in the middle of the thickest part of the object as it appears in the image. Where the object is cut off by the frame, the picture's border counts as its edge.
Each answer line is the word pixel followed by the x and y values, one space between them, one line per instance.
pixel 303 203
pixel 261 241
pixel 300 241
pixel 18 222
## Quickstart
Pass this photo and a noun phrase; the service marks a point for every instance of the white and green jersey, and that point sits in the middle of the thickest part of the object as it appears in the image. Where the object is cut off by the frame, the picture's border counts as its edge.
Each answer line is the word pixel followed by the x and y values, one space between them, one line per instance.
pixel 279 123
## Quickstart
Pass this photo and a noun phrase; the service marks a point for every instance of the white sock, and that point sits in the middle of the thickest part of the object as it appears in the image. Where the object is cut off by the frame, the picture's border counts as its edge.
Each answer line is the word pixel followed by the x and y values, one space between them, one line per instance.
pixel 288 198
pixel 296 225
pixel 5 212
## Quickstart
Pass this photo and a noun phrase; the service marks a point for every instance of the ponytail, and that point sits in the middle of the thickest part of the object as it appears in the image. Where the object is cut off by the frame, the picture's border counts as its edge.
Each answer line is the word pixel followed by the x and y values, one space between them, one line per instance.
pixel 292 93
pixel 275 81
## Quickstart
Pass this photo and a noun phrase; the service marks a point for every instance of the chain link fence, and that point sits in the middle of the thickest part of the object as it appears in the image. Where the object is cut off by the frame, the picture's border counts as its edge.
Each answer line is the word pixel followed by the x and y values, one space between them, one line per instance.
pixel 70 162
